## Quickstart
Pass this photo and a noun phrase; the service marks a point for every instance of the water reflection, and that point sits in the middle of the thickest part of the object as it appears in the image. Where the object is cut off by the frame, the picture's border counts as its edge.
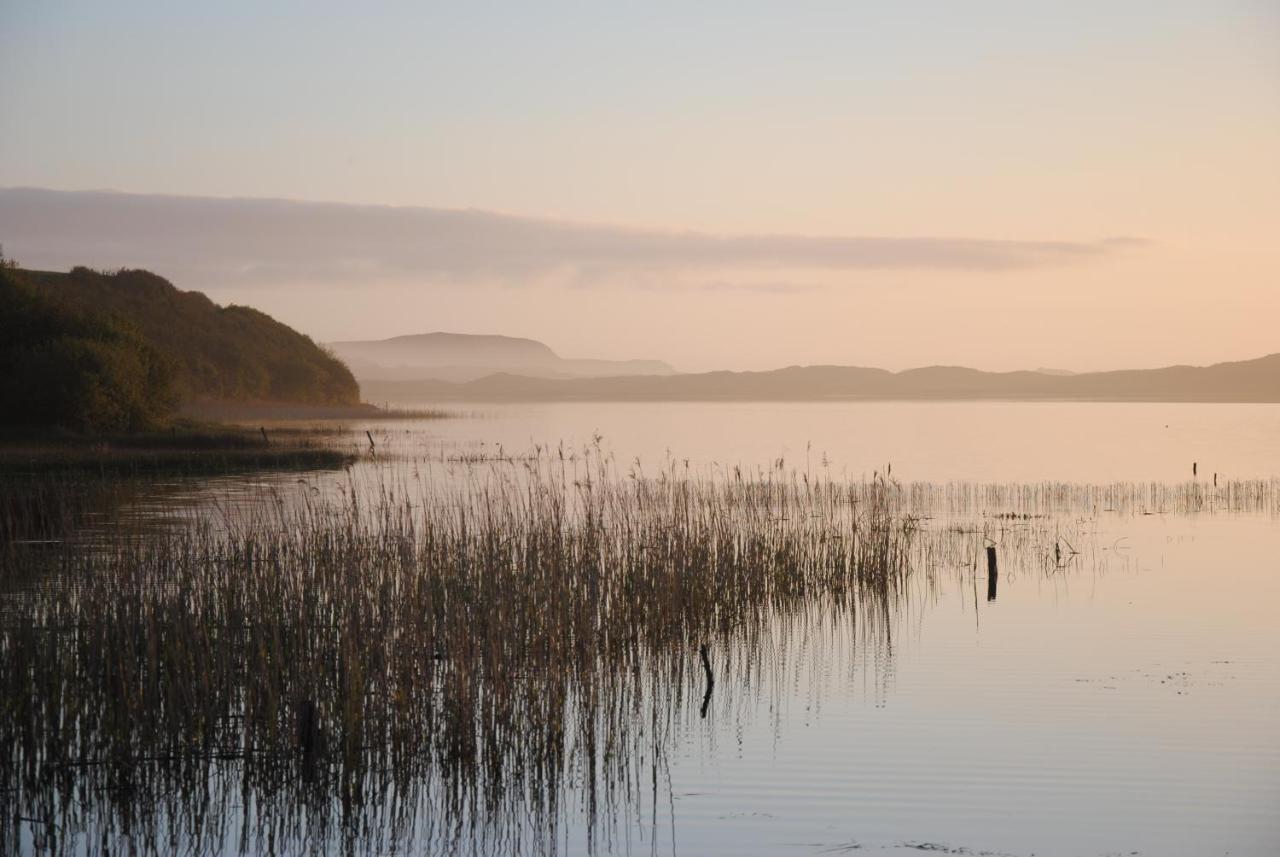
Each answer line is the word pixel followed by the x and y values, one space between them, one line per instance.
pixel 503 661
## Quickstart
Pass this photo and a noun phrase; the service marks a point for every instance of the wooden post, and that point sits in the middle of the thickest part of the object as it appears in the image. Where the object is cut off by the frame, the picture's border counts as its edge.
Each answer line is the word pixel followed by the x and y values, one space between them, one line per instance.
pixel 993 575
pixel 711 679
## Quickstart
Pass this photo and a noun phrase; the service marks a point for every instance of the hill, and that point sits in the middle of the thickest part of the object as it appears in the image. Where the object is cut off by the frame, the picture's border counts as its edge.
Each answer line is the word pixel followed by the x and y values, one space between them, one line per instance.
pixel 84 371
pixel 466 357
pixel 1245 381
pixel 231 353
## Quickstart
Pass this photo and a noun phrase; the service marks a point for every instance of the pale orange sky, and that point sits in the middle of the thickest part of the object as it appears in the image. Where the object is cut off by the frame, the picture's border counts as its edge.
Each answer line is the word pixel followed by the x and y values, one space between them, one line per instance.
pixel 1002 122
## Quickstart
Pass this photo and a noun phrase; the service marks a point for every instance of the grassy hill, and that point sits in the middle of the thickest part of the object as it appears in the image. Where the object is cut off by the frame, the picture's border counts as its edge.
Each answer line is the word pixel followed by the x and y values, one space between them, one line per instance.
pixel 109 351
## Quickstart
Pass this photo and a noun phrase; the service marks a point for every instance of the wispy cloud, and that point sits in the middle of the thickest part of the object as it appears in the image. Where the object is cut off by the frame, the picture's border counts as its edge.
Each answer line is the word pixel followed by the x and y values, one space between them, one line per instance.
pixel 205 243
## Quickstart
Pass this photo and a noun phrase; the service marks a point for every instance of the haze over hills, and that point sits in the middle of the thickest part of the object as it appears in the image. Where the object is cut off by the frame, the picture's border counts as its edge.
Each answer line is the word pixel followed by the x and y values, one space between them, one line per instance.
pixel 1244 381
pixel 460 357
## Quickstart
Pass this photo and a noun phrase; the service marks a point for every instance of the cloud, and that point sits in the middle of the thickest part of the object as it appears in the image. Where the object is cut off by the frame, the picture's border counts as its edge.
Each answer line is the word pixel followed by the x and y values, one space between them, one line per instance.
pixel 207 243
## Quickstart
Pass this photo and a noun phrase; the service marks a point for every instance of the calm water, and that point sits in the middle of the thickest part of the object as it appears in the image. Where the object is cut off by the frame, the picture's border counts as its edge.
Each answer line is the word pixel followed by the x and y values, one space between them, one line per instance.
pixel 1128 706
pixel 1123 700
pixel 924 441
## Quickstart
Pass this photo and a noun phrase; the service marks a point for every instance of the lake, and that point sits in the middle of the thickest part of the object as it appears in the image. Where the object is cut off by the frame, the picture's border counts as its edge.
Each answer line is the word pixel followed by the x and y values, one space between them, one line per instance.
pixel 1114 690
pixel 924 441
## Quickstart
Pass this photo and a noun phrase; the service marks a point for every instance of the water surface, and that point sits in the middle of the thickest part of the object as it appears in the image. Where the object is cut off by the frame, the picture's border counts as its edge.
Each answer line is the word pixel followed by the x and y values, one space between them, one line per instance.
pixel 1119 694
pixel 925 441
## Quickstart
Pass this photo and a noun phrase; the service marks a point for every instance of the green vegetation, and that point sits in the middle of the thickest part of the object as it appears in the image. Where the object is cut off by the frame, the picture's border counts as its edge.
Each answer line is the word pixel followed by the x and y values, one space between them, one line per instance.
pixel 231 353
pixel 97 353
pixel 62 365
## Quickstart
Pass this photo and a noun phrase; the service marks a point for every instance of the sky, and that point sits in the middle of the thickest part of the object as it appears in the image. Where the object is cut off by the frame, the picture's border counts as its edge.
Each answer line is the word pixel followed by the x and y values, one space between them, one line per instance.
pixel 736 185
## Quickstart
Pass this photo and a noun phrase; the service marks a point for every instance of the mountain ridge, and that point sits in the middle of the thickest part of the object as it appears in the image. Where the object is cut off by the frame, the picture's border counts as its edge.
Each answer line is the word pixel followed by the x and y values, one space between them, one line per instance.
pixel 460 357
pixel 1256 380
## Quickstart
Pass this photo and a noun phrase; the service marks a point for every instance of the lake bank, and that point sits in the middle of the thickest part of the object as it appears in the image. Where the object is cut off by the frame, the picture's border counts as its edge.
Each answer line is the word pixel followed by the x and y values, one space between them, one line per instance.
pixel 185 448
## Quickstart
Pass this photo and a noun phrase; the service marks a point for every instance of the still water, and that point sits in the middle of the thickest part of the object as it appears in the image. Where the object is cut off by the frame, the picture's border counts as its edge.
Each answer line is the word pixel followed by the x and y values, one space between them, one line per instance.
pixel 1082 442
pixel 1127 706
pixel 1118 692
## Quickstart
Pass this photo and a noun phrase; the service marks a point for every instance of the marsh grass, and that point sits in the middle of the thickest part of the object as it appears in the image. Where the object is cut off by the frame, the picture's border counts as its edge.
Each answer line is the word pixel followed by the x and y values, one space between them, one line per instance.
pixel 460 655
pixel 489 642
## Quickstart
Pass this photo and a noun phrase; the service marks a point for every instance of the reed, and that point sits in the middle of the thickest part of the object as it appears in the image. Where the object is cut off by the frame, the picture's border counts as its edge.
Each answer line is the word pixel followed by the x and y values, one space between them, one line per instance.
pixel 487 641
pixel 458 653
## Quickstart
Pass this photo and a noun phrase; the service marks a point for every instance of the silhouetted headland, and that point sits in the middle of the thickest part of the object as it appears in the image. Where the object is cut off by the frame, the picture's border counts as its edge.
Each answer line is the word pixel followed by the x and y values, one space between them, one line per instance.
pixel 467 357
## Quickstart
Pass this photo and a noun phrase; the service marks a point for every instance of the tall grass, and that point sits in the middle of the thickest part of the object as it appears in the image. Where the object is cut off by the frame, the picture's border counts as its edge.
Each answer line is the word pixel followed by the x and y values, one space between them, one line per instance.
pixel 454 655
pixel 478 645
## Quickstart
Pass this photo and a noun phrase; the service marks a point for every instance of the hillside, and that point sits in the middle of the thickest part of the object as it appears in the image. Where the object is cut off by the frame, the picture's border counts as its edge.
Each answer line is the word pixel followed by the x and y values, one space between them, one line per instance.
pixel 466 357
pixel 83 371
pixel 231 353
pixel 1245 381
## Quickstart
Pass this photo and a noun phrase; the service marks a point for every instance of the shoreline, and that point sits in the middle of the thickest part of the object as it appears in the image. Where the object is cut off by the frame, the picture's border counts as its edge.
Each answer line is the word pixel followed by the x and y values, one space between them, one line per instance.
pixel 186 448
pixel 254 412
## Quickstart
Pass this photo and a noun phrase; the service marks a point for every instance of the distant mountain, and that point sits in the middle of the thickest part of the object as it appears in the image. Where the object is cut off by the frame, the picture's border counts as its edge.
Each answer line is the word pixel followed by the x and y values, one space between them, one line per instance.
pixel 461 357
pixel 230 354
pixel 1246 381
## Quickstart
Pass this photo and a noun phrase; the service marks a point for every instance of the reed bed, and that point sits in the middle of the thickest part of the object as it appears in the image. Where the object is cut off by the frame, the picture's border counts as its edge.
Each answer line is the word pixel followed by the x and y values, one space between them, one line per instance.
pixel 478 649
pixel 457 654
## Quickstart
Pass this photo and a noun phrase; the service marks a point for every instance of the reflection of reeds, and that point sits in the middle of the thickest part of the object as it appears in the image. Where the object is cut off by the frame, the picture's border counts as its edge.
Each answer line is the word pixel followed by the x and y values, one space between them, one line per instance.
pixel 450 655
pixel 1125 498
pixel 487 642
